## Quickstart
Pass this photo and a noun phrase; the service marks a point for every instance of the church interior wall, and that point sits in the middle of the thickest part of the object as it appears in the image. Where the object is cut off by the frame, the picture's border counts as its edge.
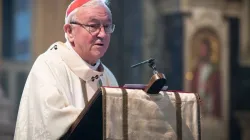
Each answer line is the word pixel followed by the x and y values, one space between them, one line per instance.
pixel 161 29
pixel 220 17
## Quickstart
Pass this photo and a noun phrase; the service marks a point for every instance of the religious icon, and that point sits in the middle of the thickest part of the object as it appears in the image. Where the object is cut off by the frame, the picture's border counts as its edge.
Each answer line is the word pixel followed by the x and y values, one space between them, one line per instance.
pixel 205 72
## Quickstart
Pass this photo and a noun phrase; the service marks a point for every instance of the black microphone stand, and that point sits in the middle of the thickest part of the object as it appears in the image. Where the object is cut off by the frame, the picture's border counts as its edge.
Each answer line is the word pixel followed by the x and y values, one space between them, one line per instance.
pixel 157 81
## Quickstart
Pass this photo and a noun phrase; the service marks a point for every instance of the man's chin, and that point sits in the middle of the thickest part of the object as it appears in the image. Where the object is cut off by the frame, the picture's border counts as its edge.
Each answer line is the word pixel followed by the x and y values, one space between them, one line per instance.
pixel 98 55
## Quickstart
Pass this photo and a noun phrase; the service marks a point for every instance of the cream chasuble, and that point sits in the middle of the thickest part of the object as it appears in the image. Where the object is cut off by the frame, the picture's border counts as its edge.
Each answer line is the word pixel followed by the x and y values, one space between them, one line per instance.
pixel 53 96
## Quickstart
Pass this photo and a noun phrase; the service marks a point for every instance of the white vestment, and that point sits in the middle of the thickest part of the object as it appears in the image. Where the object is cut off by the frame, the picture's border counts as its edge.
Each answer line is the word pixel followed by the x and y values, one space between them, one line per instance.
pixel 53 96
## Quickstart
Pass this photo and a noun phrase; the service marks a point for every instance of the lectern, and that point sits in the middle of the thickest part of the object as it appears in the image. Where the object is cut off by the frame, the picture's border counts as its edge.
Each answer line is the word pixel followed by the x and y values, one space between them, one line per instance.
pixel 139 112
pixel 131 114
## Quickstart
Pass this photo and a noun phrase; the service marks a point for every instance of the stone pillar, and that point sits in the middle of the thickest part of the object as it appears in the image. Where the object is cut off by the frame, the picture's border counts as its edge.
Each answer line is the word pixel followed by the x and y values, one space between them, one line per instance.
pixel 1 31
pixel 153 39
pixel 132 40
pixel 113 58
pixel 243 119
pixel 163 40
pixel 6 125
pixel 125 46
pixel 173 48
pixel 245 32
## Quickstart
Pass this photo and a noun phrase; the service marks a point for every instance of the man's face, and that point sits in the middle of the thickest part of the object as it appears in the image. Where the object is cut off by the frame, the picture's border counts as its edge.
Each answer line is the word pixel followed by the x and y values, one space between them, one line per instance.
pixel 91 46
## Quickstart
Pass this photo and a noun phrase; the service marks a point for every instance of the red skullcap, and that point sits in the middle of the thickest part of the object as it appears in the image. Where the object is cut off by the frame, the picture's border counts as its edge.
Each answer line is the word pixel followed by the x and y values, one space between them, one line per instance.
pixel 75 4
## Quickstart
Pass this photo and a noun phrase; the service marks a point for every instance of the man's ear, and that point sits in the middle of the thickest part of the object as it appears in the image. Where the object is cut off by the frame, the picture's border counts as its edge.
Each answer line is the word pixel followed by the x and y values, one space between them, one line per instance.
pixel 68 30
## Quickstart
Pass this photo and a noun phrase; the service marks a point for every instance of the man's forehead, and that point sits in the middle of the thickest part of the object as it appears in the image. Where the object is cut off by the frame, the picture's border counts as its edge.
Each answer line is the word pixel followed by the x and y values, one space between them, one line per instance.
pixel 97 19
pixel 93 14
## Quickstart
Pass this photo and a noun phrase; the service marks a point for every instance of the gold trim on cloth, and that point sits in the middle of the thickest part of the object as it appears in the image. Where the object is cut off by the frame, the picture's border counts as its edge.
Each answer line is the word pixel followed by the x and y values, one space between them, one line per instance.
pixel 84 91
pixel 104 106
pixel 198 114
pixel 178 116
pixel 125 113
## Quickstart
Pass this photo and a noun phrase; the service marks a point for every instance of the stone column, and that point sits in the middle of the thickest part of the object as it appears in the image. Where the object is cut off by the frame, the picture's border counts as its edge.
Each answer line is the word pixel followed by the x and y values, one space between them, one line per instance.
pixel 1 31
pixel 153 38
pixel 125 44
pixel 132 40
pixel 245 32
pixel 6 125
pixel 113 58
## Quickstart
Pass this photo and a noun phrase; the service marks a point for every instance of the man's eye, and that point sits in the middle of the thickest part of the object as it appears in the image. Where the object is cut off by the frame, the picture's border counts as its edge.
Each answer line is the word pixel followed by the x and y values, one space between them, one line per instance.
pixel 93 25
pixel 107 26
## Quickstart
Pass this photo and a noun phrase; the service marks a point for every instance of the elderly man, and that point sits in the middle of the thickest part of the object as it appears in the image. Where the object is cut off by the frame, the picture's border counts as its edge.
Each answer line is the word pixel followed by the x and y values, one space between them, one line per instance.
pixel 65 77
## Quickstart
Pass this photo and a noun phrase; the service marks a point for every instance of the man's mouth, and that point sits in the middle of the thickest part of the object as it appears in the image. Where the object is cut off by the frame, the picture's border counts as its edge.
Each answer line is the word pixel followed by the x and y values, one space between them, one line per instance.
pixel 99 44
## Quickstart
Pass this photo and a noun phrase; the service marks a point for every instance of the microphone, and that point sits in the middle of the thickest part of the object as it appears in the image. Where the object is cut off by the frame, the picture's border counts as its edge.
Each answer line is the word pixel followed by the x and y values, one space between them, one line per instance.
pixel 151 64
pixel 143 62
pixel 157 81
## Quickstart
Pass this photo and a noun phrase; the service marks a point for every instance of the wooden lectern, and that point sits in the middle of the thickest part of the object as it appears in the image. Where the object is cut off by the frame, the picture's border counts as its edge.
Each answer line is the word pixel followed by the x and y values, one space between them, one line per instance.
pixel 139 112
pixel 114 113
pixel 89 124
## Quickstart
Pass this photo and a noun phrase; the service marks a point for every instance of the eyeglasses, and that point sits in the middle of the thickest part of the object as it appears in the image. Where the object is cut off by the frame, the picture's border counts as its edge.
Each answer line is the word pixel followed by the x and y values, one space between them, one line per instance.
pixel 96 28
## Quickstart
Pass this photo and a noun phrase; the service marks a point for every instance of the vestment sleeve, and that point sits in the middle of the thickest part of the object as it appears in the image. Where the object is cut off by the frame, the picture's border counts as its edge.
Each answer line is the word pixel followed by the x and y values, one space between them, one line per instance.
pixel 44 112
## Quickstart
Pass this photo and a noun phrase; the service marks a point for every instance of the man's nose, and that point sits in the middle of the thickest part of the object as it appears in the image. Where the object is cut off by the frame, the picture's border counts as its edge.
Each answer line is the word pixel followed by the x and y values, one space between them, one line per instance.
pixel 102 32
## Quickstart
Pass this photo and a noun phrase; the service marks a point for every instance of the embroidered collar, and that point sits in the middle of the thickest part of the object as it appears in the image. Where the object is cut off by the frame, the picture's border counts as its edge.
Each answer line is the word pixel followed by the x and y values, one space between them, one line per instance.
pixel 81 68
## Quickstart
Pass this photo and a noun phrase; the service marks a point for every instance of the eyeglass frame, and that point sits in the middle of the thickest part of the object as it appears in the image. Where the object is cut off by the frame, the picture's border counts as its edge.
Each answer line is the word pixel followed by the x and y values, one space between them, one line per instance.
pixel 86 26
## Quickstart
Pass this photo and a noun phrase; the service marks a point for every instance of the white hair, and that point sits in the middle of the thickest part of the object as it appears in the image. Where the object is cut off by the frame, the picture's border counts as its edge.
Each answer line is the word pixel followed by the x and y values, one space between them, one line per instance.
pixel 90 3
